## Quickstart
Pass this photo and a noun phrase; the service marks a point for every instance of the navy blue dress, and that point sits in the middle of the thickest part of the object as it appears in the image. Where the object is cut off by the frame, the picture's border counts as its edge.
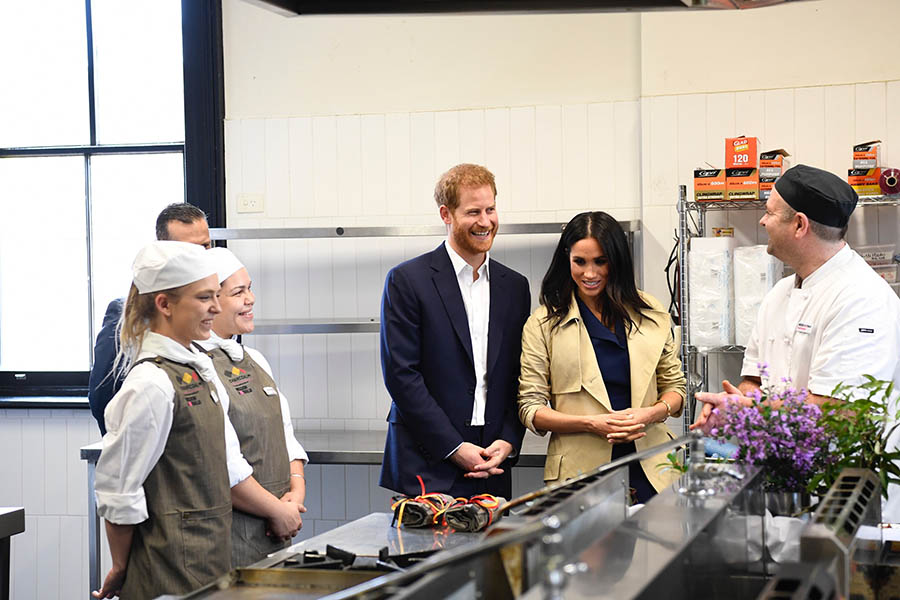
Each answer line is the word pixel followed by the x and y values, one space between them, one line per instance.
pixel 611 351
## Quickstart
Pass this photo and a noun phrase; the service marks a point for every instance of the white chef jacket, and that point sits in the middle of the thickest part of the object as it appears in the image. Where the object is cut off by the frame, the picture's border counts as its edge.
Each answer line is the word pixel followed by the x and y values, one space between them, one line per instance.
pixel 843 323
pixel 138 422
pixel 476 297
pixel 235 351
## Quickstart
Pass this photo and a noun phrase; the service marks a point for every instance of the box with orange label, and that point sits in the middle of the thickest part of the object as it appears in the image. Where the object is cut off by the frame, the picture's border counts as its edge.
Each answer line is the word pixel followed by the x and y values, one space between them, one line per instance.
pixel 766 185
pixel 773 163
pixel 865 181
pixel 741 184
pixel 709 185
pixel 865 155
pixel 741 152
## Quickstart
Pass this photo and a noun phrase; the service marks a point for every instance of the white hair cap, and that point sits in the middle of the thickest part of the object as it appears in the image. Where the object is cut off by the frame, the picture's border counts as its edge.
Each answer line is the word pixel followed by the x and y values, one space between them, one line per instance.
pixel 164 265
pixel 227 264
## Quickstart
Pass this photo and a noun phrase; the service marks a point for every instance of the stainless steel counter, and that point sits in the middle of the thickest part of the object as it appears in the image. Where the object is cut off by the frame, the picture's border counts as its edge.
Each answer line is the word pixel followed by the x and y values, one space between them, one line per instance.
pixel 359 448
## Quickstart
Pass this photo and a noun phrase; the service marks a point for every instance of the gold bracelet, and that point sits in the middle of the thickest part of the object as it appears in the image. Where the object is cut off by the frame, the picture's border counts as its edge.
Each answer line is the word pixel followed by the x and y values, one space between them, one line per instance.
pixel 300 475
pixel 668 408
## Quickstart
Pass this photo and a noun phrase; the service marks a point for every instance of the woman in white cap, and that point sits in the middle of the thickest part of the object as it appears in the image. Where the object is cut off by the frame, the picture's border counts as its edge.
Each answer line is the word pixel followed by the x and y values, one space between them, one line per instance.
pixel 171 462
pixel 257 409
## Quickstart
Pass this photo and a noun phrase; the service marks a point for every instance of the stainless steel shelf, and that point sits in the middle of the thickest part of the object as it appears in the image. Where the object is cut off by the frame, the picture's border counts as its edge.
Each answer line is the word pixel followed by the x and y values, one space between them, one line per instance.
pixel 731 349
pixel 294 326
pixel 275 233
pixel 761 204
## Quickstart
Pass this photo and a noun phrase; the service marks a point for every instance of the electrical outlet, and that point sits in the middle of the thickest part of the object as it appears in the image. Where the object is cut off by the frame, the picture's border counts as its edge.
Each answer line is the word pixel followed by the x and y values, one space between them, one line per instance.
pixel 251 203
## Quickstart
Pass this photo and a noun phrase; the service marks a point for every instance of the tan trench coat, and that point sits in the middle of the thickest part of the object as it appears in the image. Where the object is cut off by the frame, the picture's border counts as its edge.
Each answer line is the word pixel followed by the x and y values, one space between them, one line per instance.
pixel 559 367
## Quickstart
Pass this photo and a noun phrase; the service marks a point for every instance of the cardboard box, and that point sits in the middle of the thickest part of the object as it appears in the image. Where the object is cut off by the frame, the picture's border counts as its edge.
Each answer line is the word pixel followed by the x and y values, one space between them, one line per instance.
pixel 865 155
pixel 709 185
pixel 773 163
pixel 865 181
pixel 741 184
pixel 741 152
pixel 766 185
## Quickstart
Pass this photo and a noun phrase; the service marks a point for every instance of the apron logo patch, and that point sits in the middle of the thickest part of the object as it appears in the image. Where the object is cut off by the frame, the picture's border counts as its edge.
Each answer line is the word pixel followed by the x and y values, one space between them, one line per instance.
pixel 866 330
pixel 193 401
pixel 189 377
pixel 804 327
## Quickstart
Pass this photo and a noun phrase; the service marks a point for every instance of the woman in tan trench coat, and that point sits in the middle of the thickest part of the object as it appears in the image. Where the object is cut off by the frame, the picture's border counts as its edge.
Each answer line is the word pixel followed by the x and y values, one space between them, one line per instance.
pixel 600 370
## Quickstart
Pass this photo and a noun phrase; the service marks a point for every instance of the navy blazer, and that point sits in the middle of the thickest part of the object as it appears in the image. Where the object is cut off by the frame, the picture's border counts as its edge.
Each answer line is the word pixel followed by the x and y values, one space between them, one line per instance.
pixel 426 359
pixel 102 386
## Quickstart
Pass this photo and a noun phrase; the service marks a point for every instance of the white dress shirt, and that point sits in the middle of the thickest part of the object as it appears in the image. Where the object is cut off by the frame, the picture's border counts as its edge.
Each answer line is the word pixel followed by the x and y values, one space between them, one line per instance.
pixel 138 421
pixel 235 351
pixel 476 297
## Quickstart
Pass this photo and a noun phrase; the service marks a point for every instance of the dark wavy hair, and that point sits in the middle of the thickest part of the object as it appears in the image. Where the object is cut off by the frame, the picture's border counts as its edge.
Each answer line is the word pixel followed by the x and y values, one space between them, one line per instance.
pixel 620 292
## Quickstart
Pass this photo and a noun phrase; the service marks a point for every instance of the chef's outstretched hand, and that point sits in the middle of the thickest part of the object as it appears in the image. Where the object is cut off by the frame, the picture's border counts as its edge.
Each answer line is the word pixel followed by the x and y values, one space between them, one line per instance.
pixel 112 585
pixel 707 419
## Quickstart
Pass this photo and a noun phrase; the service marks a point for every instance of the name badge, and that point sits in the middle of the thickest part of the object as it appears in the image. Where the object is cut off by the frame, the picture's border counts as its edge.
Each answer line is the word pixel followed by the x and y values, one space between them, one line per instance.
pixel 804 328
pixel 269 391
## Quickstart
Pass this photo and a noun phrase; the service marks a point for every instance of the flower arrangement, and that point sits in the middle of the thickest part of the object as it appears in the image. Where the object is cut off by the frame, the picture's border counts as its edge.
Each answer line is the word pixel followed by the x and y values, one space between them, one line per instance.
pixel 780 432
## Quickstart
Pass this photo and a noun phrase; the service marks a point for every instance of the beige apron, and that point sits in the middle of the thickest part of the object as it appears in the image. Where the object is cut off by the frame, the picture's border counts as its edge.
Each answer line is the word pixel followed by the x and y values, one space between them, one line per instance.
pixel 255 412
pixel 184 544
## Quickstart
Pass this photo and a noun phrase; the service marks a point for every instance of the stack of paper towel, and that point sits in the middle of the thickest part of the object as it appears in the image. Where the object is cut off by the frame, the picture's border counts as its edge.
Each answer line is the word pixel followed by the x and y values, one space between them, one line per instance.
pixel 711 307
pixel 755 272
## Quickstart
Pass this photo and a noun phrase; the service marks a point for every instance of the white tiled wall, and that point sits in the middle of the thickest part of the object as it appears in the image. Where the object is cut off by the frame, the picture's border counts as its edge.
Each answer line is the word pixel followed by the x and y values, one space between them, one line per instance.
pixel 550 161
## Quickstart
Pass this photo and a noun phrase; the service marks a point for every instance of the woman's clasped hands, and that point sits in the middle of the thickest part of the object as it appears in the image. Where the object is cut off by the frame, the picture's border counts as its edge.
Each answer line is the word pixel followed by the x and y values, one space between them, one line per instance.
pixel 622 426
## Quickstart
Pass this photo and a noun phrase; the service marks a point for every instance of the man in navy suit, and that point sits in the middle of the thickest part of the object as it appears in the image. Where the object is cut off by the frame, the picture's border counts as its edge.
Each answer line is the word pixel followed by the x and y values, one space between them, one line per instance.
pixel 180 222
pixel 451 336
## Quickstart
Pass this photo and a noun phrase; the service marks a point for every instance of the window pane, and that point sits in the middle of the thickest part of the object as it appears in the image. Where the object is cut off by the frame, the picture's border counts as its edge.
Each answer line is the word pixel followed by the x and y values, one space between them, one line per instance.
pixel 138 75
pixel 43 265
pixel 127 193
pixel 43 74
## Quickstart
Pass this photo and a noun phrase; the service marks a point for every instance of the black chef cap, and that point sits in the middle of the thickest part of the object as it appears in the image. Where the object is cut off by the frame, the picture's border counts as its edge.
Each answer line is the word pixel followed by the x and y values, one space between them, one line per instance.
pixel 822 196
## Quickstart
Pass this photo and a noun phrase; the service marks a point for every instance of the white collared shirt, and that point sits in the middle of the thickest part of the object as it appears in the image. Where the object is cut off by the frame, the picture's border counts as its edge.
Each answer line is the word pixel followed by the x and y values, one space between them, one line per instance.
pixel 476 297
pixel 138 421
pixel 235 351
pixel 843 322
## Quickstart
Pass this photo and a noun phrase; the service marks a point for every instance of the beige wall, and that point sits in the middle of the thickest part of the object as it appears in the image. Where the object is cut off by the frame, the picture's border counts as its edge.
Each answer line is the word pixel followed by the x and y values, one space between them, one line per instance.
pixel 277 66
pixel 809 43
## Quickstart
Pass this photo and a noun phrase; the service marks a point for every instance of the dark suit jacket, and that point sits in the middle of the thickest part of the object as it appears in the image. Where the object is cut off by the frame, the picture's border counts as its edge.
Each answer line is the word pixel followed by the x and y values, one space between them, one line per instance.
pixel 101 388
pixel 426 357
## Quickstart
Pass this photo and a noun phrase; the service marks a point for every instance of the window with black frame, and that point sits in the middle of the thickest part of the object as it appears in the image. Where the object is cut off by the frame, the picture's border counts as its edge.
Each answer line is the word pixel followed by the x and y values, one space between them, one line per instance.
pixel 92 147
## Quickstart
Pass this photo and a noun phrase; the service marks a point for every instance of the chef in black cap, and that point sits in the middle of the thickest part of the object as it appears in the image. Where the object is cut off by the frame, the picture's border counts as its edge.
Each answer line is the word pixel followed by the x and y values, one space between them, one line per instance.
pixel 835 319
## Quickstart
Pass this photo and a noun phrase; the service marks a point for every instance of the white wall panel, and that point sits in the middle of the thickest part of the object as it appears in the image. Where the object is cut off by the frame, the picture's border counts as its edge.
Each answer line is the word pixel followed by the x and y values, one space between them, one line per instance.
pixel 750 116
pixel 399 167
pixel 278 173
pixel 523 161
pixel 321 274
pixel 253 156
pixel 497 154
pixel 48 557
pixel 270 280
pixel 296 279
pixel 234 148
pixel 548 145
pixel 472 147
pixel 301 168
pixel 33 474
pixel 55 466
pixel 809 127
pixel 779 131
pixel 422 163
pixel 315 389
pixel 325 181
pixel 80 431
pixel 575 157
pixel 627 117
pixel 446 140
pixel 291 374
pixel 871 117
pixel 602 155
pixel 373 133
pixel 24 569
pixel 349 167
pixel 661 162
pixel 344 290
pixel 339 376
pixel 840 131
pixel 363 377
pixel 691 140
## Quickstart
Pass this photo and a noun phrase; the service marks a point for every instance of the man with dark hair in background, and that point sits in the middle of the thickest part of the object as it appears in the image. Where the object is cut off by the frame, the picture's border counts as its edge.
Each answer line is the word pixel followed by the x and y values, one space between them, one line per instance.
pixel 180 222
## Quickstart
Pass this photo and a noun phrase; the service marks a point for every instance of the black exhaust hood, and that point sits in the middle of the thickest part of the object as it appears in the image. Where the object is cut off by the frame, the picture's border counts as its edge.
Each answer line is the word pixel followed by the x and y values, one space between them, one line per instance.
pixel 359 7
